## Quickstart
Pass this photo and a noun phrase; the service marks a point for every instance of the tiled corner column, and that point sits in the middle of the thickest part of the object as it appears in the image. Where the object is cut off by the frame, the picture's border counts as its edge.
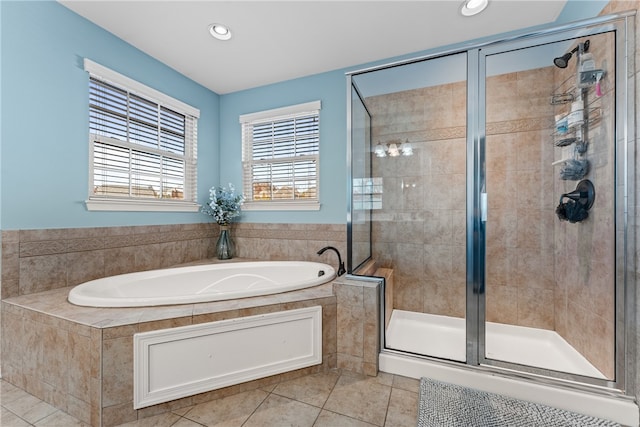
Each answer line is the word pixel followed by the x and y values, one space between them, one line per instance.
pixel 56 360
pixel 358 337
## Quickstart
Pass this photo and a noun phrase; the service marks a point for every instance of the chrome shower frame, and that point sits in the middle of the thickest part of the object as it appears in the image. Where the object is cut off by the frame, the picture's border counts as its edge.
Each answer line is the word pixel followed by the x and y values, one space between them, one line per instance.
pixel 625 270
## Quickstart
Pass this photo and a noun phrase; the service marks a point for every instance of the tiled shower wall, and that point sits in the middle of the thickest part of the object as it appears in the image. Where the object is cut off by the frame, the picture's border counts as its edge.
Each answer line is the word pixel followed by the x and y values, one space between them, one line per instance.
pixel 585 252
pixel 40 260
pixel 421 229
pixel 519 153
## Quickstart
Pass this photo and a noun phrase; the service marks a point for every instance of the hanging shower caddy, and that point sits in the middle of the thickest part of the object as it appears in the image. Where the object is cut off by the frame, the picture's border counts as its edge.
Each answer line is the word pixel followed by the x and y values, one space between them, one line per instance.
pixel 571 131
pixel 572 124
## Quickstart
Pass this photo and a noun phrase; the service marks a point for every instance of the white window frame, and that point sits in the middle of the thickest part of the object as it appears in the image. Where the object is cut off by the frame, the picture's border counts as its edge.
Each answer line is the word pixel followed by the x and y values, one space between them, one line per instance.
pixel 247 121
pixel 110 203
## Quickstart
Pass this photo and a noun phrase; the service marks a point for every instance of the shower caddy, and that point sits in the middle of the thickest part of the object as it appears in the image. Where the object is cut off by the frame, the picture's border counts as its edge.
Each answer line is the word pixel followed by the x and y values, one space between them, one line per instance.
pixel 572 129
pixel 572 126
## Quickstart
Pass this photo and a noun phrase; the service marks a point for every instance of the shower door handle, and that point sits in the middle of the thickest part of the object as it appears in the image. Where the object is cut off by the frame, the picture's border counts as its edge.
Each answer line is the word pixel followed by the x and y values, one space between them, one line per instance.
pixel 483 207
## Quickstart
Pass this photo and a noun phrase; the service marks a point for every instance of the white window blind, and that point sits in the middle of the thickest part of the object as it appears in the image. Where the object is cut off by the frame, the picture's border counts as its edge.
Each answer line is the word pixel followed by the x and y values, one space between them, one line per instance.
pixel 280 157
pixel 141 149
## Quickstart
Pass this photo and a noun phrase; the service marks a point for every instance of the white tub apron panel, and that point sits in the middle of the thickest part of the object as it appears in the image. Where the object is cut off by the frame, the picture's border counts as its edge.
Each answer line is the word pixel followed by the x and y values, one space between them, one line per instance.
pixel 178 362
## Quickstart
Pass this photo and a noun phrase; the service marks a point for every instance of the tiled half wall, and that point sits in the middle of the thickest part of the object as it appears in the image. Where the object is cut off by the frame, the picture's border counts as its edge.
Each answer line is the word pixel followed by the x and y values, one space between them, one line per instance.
pixel 41 260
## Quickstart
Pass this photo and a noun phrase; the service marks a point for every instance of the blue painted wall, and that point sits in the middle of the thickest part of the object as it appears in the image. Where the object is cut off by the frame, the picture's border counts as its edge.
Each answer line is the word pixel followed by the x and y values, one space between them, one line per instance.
pixel 44 132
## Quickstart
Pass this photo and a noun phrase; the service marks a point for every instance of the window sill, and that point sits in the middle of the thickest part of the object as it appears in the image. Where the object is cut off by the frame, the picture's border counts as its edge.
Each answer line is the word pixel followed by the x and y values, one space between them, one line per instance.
pixel 140 205
pixel 281 206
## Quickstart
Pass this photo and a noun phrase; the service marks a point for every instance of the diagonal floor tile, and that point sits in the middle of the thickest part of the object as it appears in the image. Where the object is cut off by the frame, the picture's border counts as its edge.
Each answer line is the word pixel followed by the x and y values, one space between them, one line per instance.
pixel 8 418
pixel 59 419
pixel 229 411
pixel 311 389
pixel 9 393
pixel 167 419
pixel 184 422
pixel 283 412
pixel 361 397
pixel 331 419
pixel 403 408
pixel 30 408
pixel 406 383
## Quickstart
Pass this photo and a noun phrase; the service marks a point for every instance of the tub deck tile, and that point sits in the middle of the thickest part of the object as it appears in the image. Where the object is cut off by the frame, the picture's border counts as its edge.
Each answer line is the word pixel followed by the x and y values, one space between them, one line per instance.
pixel 54 302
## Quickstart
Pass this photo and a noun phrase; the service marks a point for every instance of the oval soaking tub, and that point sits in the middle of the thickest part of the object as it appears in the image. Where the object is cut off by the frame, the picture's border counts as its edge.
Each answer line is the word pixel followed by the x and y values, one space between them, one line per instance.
pixel 200 283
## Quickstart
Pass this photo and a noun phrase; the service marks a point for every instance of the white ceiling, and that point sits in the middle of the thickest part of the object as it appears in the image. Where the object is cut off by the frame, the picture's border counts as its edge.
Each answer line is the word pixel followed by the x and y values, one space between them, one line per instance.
pixel 275 41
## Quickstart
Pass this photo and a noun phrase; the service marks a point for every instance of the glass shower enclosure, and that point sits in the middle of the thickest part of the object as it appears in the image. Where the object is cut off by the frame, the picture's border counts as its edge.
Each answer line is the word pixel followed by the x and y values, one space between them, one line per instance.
pixel 496 183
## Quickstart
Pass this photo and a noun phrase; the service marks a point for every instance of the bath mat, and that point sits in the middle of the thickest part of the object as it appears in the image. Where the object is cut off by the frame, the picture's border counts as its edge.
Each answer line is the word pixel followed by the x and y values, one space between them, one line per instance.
pixel 442 404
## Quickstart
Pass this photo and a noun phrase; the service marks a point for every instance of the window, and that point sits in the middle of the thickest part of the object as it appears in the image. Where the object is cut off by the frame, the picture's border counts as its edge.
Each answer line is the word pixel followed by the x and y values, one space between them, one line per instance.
pixel 280 154
pixel 142 144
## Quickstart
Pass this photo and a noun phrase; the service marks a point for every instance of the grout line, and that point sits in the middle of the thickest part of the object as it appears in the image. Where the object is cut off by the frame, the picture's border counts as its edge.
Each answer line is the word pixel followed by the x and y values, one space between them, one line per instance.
pixel 17 416
pixel 181 418
pixel 332 389
pixel 257 407
pixel 352 418
pixel 386 413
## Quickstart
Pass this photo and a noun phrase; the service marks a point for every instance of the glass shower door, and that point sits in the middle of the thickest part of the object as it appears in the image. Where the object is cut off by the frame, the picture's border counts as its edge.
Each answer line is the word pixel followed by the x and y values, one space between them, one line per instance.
pixel 418 201
pixel 549 172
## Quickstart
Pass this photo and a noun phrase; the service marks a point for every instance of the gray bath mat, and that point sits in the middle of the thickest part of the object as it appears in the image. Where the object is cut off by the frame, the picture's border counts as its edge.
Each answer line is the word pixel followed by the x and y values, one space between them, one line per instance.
pixel 447 405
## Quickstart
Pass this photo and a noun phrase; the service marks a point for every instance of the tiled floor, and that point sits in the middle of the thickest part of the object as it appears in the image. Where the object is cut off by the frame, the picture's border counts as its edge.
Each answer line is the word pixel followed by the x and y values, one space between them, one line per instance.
pixel 330 399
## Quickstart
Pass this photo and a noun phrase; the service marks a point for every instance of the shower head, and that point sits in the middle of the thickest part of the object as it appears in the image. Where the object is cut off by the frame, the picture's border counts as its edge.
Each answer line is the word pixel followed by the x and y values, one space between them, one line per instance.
pixel 563 61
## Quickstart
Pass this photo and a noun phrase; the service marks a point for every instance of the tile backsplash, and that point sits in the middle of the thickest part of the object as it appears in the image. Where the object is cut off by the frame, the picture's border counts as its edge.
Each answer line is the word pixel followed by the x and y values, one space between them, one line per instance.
pixel 41 260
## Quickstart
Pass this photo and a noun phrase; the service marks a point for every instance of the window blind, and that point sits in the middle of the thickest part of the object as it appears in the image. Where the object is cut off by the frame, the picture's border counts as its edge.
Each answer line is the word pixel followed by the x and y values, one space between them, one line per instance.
pixel 280 156
pixel 140 148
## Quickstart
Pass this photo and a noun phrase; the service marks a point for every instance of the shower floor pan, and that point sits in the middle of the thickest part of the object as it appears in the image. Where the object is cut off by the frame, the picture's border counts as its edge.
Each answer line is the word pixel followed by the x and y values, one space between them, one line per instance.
pixel 444 337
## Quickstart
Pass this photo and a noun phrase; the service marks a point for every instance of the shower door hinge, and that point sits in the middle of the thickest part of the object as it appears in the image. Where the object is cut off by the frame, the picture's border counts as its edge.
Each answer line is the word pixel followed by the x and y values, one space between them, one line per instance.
pixel 483 207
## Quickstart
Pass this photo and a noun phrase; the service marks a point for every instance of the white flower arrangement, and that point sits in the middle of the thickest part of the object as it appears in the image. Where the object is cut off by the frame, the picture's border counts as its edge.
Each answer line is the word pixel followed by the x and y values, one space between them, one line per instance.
pixel 224 204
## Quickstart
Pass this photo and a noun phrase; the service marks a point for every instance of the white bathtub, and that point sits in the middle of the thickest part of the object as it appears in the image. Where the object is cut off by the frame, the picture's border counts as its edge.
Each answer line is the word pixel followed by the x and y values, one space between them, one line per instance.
pixel 201 283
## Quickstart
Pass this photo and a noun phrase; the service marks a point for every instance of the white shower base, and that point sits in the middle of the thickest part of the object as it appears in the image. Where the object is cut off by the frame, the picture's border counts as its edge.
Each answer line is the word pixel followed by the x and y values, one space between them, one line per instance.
pixel 444 337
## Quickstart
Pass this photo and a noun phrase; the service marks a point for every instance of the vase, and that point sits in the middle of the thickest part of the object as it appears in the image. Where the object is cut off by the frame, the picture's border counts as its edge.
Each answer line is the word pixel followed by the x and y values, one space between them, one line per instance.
pixel 224 246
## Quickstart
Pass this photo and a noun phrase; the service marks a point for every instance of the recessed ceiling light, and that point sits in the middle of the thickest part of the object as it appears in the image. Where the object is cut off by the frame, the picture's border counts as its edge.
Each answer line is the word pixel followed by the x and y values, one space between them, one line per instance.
pixel 473 7
pixel 219 31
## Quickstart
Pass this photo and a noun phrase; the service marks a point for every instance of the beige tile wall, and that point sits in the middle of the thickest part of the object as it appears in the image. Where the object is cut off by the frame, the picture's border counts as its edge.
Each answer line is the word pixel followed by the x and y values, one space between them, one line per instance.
pixel 289 241
pixel 54 359
pixel 358 335
pixel 519 153
pixel 421 229
pixel 40 260
pixel 585 252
